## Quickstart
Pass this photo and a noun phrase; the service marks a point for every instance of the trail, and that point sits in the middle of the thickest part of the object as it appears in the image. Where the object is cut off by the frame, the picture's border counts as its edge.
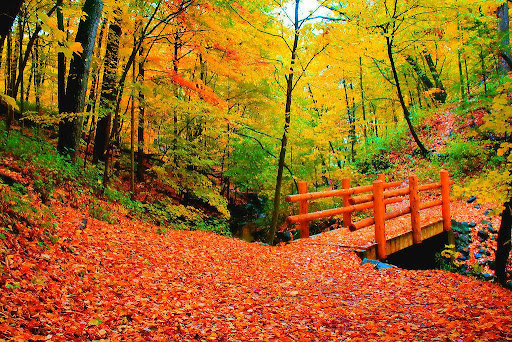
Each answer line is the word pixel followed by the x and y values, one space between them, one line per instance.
pixel 125 282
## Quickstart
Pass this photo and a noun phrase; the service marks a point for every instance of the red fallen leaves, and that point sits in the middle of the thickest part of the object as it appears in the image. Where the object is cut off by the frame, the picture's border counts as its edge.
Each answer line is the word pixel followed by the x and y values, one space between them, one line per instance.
pixel 124 282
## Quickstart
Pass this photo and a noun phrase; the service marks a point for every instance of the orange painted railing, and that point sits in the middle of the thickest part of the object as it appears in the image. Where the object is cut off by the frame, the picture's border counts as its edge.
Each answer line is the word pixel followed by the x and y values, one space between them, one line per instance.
pixel 377 200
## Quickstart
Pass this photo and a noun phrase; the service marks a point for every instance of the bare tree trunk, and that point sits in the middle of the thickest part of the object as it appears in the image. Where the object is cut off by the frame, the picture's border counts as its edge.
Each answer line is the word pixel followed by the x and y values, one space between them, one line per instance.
pixel 363 104
pixel 484 72
pixel 74 101
pixel 407 115
pixel 503 243
pixel 132 137
pixel 461 76
pixel 284 139
pixel 10 9
pixel 140 132
pixel 440 96
pixel 503 28
pixel 109 89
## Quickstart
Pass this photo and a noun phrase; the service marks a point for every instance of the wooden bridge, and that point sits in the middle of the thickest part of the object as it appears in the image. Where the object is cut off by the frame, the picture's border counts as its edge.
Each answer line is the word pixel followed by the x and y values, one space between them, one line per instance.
pixel 381 194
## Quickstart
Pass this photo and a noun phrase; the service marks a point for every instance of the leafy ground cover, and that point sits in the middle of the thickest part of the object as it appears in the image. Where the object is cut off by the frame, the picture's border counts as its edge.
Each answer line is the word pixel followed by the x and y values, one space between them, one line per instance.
pixel 86 279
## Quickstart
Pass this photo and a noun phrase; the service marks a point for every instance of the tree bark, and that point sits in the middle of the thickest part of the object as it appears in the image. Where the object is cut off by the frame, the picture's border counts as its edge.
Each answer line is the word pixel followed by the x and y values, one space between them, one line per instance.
pixel 74 100
pixel 503 243
pixel 407 115
pixel 503 29
pixel 61 61
pixel 287 120
pixel 140 129
pixel 109 89
pixel 8 13
pixel 440 96
pixel 363 104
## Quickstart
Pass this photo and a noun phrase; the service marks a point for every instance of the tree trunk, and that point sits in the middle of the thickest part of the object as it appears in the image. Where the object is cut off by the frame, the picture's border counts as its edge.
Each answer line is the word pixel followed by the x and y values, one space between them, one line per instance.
pixel 284 139
pixel 484 72
pixel 427 83
pixel 363 105
pixel 61 61
pixel 503 29
pixel 461 76
pixel 132 136
pixel 503 243
pixel 74 100
pixel 439 96
pixel 8 13
pixel 140 131
pixel 109 89
pixel 407 115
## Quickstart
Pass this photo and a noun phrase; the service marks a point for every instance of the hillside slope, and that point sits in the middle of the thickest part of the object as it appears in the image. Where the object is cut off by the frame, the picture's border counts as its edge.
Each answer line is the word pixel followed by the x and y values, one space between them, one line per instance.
pixel 125 282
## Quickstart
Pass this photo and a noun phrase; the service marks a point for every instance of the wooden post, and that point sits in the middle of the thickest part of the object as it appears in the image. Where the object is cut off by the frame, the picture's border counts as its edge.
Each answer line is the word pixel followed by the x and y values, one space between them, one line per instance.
pixel 379 213
pixel 382 177
pixel 414 201
pixel 303 209
pixel 445 196
pixel 347 217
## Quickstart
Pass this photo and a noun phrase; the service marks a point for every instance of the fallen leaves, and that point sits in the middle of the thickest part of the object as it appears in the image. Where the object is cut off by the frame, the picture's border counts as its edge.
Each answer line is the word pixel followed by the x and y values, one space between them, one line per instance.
pixel 125 282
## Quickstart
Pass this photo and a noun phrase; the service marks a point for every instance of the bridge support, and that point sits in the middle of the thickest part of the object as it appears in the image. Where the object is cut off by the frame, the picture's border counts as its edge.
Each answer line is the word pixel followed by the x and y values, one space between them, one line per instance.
pixel 303 209
pixel 414 202
pixel 379 211
pixel 347 217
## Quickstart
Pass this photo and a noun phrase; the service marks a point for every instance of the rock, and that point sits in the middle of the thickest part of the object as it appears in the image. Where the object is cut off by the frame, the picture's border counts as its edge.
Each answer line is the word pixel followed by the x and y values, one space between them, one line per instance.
pixel 492 265
pixel 472 199
pixel 370 261
pixel 492 230
pixel 485 222
pixel 472 224
pixel 462 258
pixel 487 212
pixel 478 255
pixel 378 265
pixel 487 276
pixel 477 206
pixel 383 266
pixel 483 235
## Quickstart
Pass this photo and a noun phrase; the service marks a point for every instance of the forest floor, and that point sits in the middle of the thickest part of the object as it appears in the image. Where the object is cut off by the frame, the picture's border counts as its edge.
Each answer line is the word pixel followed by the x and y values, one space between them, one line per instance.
pixel 122 281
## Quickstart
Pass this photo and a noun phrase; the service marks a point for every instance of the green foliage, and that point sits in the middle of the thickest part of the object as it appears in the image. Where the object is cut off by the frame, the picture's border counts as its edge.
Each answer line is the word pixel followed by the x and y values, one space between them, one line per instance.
pixel 122 198
pixel 374 157
pixel 464 156
pixel 99 212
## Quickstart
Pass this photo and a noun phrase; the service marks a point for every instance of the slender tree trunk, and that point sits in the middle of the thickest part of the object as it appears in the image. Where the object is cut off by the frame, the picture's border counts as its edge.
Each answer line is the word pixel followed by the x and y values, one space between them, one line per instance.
pixel 363 104
pixel 284 139
pixel 467 76
pixel 503 28
pixel 109 90
pixel 132 136
pixel 484 72
pixel 61 61
pixel 440 96
pixel 140 132
pixel 74 101
pixel 21 32
pixel 461 76
pixel 37 77
pixel 352 130
pixel 504 243
pixel 407 115
pixel 9 84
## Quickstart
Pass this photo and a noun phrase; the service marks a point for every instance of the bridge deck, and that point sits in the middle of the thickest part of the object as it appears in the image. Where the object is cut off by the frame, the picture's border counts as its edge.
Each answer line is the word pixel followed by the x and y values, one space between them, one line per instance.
pixel 398 233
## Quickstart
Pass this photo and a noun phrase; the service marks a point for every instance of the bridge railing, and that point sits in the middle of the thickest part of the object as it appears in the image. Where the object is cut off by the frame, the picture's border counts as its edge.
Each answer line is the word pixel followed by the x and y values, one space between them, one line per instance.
pixel 380 195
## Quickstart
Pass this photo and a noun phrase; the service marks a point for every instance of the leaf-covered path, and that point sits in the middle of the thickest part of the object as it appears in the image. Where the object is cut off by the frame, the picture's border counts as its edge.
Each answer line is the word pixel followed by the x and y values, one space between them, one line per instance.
pixel 125 282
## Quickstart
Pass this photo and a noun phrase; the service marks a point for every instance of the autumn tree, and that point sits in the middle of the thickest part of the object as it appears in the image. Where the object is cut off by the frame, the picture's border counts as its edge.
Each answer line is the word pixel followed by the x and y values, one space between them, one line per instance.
pixel 70 128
